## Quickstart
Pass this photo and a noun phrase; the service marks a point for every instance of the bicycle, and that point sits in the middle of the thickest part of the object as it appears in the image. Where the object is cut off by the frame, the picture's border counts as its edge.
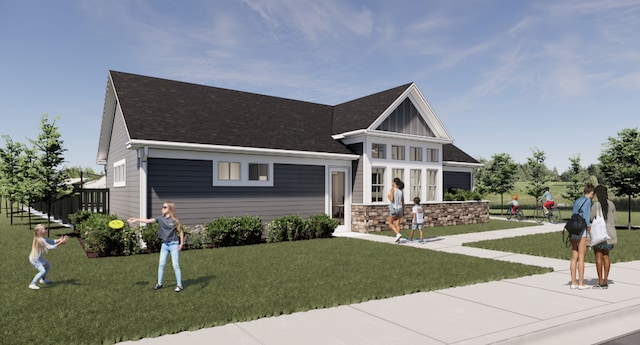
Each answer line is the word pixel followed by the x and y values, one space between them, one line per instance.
pixel 519 215
pixel 553 216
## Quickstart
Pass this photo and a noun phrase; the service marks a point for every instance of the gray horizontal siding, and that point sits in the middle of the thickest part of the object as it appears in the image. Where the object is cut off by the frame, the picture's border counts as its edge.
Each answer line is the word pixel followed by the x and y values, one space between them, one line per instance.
pixel 297 189
pixel 123 201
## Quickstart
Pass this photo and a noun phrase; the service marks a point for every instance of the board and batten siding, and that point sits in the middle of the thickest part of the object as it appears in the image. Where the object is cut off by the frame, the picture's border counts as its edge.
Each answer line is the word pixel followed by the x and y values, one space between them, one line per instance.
pixel 123 201
pixel 357 179
pixel 457 179
pixel 297 189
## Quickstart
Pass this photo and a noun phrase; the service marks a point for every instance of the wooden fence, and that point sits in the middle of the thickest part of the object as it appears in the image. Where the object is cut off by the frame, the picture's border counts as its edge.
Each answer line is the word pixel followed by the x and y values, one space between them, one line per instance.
pixel 94 200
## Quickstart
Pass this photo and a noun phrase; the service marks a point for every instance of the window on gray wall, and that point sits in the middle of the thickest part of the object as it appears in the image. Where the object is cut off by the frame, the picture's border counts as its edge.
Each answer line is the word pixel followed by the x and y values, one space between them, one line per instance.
pixel 229 171
pixel 258 172
pixel 377 184
pixel 397 152
pixel 378 151
pixel 432 184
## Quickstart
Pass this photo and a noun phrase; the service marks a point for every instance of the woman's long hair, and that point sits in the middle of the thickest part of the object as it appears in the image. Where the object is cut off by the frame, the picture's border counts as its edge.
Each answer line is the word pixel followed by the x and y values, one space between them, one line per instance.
pixel 38 245
pixel 171 210
pixel 603 198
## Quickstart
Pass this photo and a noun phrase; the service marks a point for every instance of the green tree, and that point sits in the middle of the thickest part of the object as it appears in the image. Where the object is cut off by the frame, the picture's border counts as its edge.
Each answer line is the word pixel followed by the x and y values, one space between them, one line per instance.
pixel 537 176
pixel 30 185
pixel 9 171
pixel 50 148
pixel 497 176
pixel 620 164
pixel 576 175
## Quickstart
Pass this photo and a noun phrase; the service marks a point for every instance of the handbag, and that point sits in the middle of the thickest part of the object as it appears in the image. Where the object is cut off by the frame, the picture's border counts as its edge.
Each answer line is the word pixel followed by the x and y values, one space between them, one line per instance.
pixel 598 232
pixel 576 224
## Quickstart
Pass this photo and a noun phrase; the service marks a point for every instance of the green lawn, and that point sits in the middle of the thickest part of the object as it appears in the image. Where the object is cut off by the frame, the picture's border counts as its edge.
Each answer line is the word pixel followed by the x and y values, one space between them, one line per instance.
pixel 105 300
pixel 551 245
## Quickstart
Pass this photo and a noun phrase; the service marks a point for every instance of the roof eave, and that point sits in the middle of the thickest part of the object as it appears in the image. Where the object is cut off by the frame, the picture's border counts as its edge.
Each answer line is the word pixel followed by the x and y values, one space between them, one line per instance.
pixel 153 144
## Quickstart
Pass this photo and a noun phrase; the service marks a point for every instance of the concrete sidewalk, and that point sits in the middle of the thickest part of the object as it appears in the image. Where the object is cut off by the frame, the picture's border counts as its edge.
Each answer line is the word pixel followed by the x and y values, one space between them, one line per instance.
pixel 539 309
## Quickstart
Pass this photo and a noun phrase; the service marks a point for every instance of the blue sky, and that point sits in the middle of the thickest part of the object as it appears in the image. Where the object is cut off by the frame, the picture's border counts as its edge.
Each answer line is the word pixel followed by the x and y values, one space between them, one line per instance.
pixel 504 76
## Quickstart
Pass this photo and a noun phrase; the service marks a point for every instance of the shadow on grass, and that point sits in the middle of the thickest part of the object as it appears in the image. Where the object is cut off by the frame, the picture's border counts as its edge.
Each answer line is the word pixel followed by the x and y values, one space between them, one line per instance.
pixel 203 281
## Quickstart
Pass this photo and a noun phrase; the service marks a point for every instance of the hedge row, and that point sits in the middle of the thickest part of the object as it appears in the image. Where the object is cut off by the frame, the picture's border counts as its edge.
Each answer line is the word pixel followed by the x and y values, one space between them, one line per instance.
pixel 221 232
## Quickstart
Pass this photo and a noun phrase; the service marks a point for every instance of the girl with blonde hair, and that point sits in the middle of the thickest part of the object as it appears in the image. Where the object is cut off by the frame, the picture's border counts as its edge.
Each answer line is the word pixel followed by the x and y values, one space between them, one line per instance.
pixel 170 232
pixel 40 245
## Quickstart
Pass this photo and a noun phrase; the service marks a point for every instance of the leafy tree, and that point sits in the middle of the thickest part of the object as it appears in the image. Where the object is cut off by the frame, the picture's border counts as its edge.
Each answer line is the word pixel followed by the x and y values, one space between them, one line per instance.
pixel 576 176
pixel 9 171
pixel 537 174
pixel 594 170
pixel 620 164
pixel 497 176
pixel 50 159
pixel 77 172
pixel 30 185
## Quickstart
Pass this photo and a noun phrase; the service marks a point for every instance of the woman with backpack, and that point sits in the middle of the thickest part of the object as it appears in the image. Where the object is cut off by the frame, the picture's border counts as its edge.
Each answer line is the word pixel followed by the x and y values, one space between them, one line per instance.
pixel 582 206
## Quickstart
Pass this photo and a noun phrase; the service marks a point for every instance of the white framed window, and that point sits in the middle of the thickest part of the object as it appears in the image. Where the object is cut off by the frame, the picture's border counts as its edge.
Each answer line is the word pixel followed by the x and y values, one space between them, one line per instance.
pixel 433 155
pixel 399 173
pixel 415 154
pixel 397 152
pixel 432 185
pixel 243 173
pixel 229 171
pixel 379 151
pixel 120 173
pixel 377 184
pixel 258 172
pixel 416 183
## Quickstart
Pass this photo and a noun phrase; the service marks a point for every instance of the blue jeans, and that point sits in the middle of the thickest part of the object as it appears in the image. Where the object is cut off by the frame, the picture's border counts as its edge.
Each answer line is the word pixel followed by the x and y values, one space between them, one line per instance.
pixel 43 268
pixel 173 248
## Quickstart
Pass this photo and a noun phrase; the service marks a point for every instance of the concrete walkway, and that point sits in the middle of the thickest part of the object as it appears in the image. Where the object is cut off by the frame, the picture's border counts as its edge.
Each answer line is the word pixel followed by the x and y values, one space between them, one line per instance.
pixel 539 309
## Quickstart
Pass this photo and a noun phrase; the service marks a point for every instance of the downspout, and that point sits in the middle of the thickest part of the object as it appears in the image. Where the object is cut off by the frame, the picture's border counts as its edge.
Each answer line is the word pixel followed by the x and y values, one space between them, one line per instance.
pixel 143 155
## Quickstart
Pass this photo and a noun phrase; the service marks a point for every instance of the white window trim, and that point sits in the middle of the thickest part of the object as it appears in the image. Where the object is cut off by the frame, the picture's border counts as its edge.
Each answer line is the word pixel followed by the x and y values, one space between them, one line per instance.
pixel 121 164
pixel 244 174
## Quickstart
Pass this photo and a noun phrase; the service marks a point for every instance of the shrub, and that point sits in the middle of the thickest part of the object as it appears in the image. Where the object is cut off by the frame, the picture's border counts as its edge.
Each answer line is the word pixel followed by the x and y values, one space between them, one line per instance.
pixel 149 234
pixel 196 237
pixel 287 228
pixel 235 231
pixel 99 237
pixel 458 194
pixel 79 217
pixel 321 225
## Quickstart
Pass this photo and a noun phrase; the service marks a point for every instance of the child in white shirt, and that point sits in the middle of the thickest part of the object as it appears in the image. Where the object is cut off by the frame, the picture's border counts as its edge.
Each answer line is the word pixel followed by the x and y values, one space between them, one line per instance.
pixel 418 219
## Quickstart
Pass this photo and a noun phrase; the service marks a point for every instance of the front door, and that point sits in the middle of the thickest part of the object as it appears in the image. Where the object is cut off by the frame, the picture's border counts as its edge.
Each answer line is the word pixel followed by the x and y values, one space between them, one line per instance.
pixel 339 204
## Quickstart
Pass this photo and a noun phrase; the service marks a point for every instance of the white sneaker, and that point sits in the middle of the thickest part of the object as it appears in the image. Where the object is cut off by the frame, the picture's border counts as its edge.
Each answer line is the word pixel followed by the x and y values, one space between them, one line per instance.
pixel 44 281
pixel 398 237
pixel 34 287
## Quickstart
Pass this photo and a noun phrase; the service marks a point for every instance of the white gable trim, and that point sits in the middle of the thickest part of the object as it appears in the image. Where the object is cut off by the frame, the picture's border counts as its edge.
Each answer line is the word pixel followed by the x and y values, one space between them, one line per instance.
pixel 428 114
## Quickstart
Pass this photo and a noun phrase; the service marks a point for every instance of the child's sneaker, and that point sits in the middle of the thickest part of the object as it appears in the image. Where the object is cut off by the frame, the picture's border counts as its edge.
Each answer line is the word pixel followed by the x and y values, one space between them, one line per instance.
pixel 34 287
pixel 409 239
pixel 178 288
pixel 157 287
pixel 44 281
pixel 398 237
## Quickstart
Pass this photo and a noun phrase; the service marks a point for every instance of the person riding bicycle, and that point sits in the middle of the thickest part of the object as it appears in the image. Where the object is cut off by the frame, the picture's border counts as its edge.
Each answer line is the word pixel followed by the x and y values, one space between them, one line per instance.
pixel 547 200
pixel 514 205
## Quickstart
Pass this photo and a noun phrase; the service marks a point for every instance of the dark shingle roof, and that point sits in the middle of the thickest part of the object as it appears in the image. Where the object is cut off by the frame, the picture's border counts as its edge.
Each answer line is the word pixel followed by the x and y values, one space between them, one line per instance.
pixel 451 153
pixel 360 113
pixel 166 110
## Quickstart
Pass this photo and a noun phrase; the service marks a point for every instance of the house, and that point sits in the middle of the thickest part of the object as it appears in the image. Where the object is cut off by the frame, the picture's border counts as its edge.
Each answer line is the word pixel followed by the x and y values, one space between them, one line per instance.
pixel 215 152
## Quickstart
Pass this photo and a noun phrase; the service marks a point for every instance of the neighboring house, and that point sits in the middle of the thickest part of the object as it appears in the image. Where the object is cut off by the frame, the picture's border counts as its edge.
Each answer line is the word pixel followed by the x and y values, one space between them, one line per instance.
pixel 217 152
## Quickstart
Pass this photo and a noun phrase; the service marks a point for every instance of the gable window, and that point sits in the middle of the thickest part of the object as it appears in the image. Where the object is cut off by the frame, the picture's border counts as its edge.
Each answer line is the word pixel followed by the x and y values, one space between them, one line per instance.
pixel 378 151
pixel 258 172
pixel 397 152
pixel 416 183
pixel 415 154
pixel 432 184
pixel 229 171
pixel 433 155
pixel 120 173
pixel 377 184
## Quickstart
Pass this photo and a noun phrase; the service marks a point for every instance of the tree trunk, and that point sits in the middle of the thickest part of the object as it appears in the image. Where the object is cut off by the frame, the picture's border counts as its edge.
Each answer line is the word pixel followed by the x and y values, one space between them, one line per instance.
pixel 629 213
